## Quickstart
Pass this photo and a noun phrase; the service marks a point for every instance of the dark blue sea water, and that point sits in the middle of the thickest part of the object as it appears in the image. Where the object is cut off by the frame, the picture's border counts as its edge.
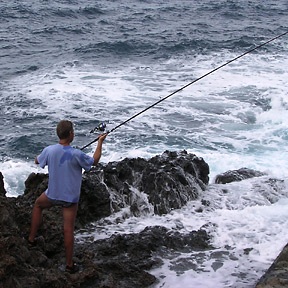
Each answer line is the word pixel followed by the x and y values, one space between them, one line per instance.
pixel 94 61
pixel 38 34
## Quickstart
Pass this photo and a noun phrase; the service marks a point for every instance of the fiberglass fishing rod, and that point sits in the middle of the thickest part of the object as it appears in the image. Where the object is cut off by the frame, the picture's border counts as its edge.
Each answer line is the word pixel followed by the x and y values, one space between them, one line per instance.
pixel 185 86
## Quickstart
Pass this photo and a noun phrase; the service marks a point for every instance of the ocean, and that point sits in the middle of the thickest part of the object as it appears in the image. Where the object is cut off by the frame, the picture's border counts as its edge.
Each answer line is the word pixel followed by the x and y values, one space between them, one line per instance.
pixel 105 61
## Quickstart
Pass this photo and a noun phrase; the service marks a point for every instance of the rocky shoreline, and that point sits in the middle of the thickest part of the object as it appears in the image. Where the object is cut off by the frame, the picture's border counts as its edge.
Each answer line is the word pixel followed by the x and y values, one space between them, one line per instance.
pixel 170 181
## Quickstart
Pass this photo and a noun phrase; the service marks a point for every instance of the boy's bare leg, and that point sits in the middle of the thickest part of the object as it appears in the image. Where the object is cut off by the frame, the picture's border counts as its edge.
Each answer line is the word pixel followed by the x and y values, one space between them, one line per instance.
pixel 41 203
pixel 69 216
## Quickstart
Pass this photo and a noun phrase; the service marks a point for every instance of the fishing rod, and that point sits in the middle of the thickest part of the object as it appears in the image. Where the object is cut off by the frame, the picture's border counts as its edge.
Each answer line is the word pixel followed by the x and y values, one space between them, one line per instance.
pixel 101 127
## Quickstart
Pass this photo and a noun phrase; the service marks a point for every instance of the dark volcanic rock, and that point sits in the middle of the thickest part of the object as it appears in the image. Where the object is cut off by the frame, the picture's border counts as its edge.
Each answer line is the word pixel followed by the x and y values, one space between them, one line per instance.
pixel 168 181
pixel 237 175
pixel 277 274
pixel 2 189
pixel 126 257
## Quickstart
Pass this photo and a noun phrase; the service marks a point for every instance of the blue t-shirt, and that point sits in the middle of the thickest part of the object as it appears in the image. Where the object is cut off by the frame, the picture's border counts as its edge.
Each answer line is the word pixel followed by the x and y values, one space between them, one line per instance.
pixel 65 165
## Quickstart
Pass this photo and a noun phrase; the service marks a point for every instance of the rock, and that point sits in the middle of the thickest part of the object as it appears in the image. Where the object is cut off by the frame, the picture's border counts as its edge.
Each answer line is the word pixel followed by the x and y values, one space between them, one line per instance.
pixel 127 256
pixel 2 189
pixel 7 212
pixel 35 184
pixel 277 275
pixel 168 181
pixel 157 185
pixel 237 175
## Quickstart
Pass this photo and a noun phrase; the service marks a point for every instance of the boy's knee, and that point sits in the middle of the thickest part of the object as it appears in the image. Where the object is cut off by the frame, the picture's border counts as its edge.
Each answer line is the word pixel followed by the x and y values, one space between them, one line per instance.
pixel 42 202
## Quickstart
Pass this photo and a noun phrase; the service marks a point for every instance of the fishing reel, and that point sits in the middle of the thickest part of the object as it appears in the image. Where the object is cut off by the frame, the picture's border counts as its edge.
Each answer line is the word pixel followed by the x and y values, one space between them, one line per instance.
pixel 100 127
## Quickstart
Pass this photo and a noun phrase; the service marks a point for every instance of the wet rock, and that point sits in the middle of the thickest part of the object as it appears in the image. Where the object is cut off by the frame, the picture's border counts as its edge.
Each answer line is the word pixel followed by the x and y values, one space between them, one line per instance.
pixel 35 184
pixel 169 181
pixel 125 258
pixel 2 189
pixel 237 175
pixel 277 275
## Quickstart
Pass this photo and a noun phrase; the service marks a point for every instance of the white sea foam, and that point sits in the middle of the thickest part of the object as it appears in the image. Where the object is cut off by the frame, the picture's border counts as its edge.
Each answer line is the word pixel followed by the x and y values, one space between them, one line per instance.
pixel 15 173
pixel 242 223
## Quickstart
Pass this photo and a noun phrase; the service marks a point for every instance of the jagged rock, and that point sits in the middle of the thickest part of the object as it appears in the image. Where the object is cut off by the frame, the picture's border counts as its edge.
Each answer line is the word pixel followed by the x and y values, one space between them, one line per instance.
pixel 2 189
pixel 277 275
pixel 237 175
pixel 7 211
pixel 169 180
pixel 35 184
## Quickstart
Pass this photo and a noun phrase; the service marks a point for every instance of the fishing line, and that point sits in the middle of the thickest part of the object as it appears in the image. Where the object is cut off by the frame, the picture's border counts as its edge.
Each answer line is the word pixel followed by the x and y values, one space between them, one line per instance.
pixel 180 89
